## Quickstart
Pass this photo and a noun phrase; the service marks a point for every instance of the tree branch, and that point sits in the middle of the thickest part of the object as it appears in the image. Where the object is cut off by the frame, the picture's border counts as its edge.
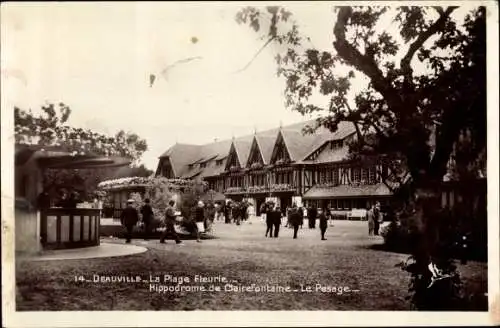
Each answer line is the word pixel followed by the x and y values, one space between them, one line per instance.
pixel 363 63
pixel 256 54
pixel 433 29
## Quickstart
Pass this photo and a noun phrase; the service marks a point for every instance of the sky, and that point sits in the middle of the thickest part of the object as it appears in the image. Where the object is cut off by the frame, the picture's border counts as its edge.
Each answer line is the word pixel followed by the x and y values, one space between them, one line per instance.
pixel 97 58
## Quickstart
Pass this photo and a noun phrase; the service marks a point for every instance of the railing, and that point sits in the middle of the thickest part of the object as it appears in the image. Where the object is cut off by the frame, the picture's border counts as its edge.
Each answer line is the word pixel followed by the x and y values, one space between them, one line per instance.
pixel 69 227
pixel 117 213
pixel 235 190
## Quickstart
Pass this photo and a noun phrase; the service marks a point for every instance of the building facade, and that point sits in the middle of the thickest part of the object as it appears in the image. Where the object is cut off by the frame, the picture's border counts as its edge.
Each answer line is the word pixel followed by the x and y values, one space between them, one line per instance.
pixel 282 165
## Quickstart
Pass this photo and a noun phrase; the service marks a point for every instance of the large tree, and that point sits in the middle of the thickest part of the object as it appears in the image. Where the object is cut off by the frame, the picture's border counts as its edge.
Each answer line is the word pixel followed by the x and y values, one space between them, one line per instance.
pixel 425 92
pixel 49 127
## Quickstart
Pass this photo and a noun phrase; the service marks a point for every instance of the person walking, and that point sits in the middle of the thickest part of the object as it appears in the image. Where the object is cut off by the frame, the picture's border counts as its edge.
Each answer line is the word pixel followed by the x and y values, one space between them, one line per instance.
pixel 129 219
pixel 323 223
pixel 170 224
pixel 269 222
pixel 377 218
pixel 294 218
pixel 227 213
pixel 147 218
pixel 370 219
pixel 237 213
pixel 199 218
pixel 276 219
pixel 209 216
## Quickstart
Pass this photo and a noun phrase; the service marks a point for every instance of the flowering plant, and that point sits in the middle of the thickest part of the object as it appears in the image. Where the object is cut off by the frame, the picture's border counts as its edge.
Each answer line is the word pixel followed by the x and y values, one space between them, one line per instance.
pixel 258 189
pixel 282 187
pixel 235 190
pixel 256 166
pixel 234 168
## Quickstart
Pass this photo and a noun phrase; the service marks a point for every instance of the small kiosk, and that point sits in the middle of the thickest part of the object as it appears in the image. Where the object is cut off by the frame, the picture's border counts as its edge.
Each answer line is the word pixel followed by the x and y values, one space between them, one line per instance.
pixel 38 229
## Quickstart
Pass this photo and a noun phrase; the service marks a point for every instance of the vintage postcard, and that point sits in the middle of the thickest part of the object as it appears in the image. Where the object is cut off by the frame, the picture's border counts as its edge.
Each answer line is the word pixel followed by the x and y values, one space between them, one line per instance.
pixel 249 164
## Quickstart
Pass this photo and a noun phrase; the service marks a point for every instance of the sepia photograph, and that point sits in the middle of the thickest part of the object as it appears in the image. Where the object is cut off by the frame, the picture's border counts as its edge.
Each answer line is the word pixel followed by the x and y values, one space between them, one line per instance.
pixel 247 163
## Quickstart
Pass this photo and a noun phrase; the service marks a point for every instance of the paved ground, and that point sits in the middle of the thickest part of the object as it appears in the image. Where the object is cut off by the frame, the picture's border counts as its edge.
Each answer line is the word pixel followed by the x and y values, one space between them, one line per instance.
pixel 316 273
pixel 103 250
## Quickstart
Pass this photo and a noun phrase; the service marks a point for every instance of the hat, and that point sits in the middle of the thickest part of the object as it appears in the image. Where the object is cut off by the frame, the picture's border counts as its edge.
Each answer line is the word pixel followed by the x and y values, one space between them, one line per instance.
pixel 130 201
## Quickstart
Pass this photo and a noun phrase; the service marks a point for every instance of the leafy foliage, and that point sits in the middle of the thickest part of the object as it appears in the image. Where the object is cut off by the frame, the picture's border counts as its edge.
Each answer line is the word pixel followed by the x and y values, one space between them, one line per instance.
pixel 423 108
pixel 50 128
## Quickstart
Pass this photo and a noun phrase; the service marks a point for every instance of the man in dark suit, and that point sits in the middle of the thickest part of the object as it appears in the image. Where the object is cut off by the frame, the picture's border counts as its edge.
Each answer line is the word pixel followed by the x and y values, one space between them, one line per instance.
pixel 323 223
pixel 129 219
pixel 312 213
pixel 170 224
pixel 270 221
pixel 276 219
pixel 295 219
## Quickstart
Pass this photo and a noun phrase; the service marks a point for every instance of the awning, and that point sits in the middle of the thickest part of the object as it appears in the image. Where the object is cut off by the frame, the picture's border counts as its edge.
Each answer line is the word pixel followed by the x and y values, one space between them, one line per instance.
pixel 53 157
pixel 347 191
pixel 81 162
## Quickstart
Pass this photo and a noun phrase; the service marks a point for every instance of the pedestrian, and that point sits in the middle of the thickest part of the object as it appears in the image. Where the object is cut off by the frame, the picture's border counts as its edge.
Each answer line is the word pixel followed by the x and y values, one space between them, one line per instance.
pixel 147 218
pixel 199 218
pixel 294 218
pixel 236 212
pixel 169 221
pixel 312 213
pixel 377 218
pixel 227 213
pixel 370 219
pixel 263 210
pixel 276 219
pixel 329 215
pixel 269 223
pixel 323 223
pixel 129 219
pixel 301 215
pixel 209 216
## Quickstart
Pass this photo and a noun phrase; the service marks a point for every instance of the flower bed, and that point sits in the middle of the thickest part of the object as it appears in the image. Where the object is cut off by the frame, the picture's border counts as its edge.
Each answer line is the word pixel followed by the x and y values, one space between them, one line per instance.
pixel 256 189
pixel 235 190
pixel 124 183
pixel 282 187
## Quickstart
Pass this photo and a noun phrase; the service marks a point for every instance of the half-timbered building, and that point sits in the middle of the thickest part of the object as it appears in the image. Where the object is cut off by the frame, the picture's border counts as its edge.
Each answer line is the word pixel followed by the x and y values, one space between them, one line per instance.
pixel 283 165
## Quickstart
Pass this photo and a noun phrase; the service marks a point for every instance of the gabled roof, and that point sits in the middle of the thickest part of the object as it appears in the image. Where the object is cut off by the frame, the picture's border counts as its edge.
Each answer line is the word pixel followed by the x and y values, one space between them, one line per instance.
pixel 301 145
pixel 180 156
pixel 242 147
pixel 265 144
pixel 327 155
pixel 298 144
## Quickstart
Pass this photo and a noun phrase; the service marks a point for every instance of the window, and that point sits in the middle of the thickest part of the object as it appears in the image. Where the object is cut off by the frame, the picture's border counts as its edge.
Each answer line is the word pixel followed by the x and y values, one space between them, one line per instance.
pixel 356 174
pixel 335 176
pixel 322 176
pixel 203 165
pixel 372 175
pixel 336 144
pixel 219 162
pixel 364 175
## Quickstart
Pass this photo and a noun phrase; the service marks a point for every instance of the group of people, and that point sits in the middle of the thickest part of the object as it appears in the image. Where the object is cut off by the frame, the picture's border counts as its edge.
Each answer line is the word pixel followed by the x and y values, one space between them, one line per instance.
pixel 295 219
pixel 202 218
pixel 234 211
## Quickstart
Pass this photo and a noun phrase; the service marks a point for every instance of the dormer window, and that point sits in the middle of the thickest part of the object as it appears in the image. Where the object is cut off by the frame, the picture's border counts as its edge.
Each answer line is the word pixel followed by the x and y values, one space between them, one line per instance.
pixel 335 144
